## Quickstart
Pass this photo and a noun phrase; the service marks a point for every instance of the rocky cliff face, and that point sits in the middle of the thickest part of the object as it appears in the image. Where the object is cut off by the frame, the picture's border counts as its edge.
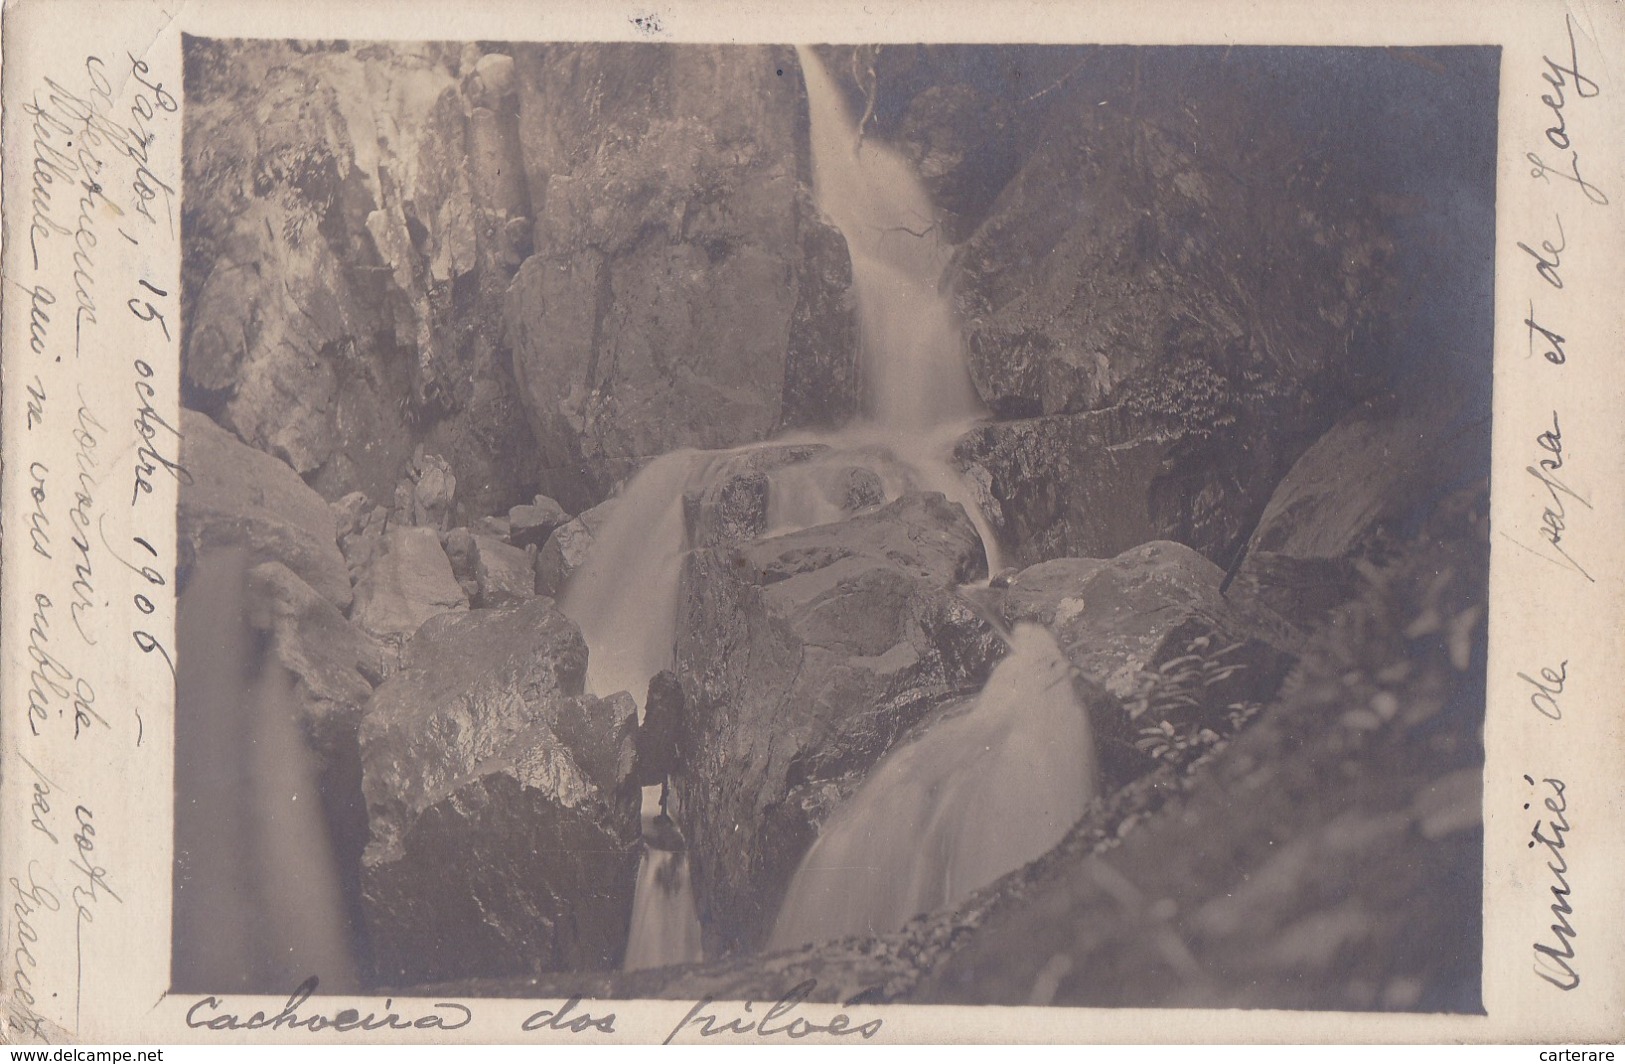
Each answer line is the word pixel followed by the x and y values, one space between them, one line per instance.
pixel 1209 300
pixel 339 257
pixel 684 290
pixel 356 222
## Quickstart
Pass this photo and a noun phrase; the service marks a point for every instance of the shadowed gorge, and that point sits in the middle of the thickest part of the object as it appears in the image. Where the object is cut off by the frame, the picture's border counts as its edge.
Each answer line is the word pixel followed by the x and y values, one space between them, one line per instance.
pixel 958 523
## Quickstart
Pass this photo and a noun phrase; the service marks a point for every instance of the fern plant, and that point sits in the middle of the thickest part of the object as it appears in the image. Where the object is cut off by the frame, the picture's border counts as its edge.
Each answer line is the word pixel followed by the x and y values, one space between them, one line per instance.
pixel 1176 704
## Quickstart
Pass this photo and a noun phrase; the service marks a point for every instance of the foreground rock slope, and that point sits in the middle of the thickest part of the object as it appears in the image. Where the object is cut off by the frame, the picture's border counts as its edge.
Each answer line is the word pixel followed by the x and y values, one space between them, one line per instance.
pixel 802 658
pixel 502 825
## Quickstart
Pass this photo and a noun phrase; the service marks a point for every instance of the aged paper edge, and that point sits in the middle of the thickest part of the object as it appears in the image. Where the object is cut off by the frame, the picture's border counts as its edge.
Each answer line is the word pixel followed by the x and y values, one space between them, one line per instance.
pixel 1534 617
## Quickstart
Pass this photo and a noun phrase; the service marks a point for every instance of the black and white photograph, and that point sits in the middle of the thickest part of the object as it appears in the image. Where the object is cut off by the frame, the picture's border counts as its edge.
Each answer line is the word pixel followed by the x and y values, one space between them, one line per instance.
pixel 997 521
pixel 974 524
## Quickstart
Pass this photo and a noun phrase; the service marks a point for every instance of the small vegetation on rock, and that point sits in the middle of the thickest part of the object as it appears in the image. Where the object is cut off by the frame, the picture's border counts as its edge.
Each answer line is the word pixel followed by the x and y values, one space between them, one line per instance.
pixel 1179 701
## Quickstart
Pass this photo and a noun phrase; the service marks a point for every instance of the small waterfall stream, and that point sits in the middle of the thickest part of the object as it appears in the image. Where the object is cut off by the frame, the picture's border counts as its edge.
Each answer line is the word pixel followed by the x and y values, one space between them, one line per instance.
pixel 950 787
pixel 624 598
pixel 664 927
pixel 915 378
pixel 993 783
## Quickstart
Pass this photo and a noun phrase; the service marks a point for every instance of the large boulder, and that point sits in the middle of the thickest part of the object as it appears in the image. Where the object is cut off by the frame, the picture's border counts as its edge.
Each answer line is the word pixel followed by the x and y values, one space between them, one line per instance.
pixel 236 496
pixel 1366 485
pixel 1348 879
pixel 1126 255
pixel 1080 485
pixel 1151 628
pixel 504 820
pixel 406 582
pixel 567 546
pixel 504 575
pixel 803 657
pixel 684 291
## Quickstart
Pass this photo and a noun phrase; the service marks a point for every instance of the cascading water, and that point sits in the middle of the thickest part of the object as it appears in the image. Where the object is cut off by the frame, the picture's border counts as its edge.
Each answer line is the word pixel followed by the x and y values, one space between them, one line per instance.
pixel 988 788
pixel 992 784
pixel 624 598
pixel 918 398
pixel 914 365
pixel 624 595
pixel 664 928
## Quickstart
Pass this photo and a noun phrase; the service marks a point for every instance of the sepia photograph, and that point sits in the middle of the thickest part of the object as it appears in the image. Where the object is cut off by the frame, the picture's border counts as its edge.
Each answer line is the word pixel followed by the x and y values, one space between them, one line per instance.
pixel 834 525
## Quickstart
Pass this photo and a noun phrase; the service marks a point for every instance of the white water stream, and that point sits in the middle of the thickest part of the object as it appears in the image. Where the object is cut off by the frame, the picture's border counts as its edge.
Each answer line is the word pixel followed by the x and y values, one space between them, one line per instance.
pixel 982 791
pixel 917 399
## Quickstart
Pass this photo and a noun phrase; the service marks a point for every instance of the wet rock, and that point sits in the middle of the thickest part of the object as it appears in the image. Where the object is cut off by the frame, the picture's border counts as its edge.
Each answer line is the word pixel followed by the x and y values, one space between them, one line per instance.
pixel 684 291
pixel 1002 578
pixel 504 825
pixel 657 734
pixel 406 583
pixel 505 575
pixel 821 375
pixel 803 657
pixel 531 523
pixel 1121 621
pixel 730 509
pixel 1370 481
pixel 1093 484
pixel 1081 485
pixel 567 548
pixel 734 502
pixel 240 497
pixel 1349 879
pixel 862 489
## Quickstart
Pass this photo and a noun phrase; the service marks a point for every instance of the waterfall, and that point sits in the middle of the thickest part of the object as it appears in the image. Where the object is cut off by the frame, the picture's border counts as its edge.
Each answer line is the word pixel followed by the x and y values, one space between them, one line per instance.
pixel 917 399
pixel 664 929
pixel 918 396
pixel 624 599
pixel 624 596
pixel 992 784
pixel 259 900
pixel 913 359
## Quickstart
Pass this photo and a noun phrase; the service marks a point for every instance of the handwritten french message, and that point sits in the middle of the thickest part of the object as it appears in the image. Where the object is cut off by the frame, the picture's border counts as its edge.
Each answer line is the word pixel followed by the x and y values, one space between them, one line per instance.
pixel 89 534
pixel 1560 502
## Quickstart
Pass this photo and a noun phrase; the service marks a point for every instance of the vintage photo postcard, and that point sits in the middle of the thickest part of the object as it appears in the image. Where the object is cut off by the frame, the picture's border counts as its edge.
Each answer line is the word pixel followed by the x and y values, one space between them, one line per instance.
pixel 716 523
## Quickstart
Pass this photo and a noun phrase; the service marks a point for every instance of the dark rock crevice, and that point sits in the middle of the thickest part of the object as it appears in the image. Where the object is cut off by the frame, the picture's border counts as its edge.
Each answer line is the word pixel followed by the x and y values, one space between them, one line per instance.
pixel 1216 318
